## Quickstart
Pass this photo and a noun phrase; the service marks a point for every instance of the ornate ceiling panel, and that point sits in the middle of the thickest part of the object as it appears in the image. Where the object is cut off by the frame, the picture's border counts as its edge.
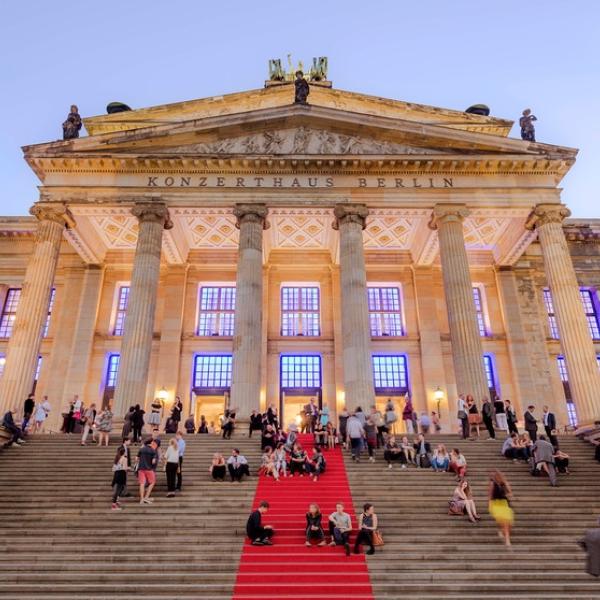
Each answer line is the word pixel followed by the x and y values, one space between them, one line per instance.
pixel 389 230
pixel 483 232
pixel 300 228
pixel 216 230
pixel 119 232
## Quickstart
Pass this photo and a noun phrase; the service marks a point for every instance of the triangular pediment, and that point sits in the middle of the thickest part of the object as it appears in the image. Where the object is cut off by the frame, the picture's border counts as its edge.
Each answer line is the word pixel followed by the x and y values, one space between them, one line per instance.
pixel 295 130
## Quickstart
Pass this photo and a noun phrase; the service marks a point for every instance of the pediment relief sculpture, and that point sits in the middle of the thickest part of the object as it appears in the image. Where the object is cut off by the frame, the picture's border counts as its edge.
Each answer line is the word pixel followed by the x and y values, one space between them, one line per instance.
pixel 302 140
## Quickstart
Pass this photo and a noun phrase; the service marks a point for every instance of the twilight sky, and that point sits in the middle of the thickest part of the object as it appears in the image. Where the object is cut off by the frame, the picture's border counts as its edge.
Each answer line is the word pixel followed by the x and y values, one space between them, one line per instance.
pixel 543 54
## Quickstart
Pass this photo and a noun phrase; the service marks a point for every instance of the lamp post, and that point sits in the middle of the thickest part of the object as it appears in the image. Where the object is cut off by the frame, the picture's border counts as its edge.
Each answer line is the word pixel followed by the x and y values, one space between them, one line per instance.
pixel 163 394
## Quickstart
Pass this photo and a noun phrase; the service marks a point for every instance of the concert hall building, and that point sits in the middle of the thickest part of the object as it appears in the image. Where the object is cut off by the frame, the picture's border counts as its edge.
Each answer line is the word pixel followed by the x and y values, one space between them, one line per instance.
pixel 244 250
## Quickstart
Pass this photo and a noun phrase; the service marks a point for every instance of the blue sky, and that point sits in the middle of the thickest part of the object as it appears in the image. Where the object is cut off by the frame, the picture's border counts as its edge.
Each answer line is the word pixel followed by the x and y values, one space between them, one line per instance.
pixel 509 55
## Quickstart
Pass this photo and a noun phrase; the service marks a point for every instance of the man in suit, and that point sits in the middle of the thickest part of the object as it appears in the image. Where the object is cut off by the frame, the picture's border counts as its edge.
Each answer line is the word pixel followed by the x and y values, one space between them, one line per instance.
pixel 549 420
pixel 487 412
pixel 531 423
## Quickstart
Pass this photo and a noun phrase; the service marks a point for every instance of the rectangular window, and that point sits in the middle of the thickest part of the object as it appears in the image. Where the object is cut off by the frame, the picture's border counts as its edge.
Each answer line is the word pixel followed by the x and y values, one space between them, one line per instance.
pixel 390 373
pixel 477 298
pixel 112 370
pixel 300 311
pixel 385 316
pixel 50 307
pixel 490 375
pixel 212 371
pixel 550 311
pixel 9 311
pixel 589 306
pixel 564 377
pixel 121 310
pixel 38 368
pixel 300 371
pixel 217 310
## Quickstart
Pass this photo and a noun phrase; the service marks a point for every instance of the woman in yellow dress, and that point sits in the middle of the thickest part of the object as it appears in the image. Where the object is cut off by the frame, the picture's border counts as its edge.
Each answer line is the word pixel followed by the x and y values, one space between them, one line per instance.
pixel 500 496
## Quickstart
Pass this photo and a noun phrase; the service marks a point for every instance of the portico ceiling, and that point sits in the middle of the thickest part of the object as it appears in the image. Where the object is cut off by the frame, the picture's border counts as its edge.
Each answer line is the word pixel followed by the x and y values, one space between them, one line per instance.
pixel 103 229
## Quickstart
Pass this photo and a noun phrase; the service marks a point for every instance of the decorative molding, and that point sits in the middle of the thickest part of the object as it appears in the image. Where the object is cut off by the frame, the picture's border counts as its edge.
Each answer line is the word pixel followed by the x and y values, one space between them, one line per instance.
pixel 81 247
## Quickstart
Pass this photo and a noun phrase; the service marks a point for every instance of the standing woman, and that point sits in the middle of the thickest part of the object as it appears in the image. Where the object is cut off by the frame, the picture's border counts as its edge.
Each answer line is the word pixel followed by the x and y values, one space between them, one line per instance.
pixel 155 416
pixel 343 419
pixel 89 416
pixel 511 417
pixel 324 415
pixel 500 496
pixel 128 423
pixel 474 418
pixel 172 460
pixel 119 481
pixel 407 416
pixel 314 529
pixel 367 524
pixel 105 425
pixel 41 414
pixel 137 423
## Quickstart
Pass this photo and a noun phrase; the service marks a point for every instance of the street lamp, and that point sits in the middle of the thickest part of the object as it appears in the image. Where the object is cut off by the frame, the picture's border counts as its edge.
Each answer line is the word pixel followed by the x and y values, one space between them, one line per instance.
pixel 163 394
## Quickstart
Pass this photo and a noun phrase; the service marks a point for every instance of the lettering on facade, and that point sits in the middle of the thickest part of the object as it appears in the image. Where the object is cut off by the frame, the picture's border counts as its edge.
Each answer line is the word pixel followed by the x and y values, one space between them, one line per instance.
pixel 252 181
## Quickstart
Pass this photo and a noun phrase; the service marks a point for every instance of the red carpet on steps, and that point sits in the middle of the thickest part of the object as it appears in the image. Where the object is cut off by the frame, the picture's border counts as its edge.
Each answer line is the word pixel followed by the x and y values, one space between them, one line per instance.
pixel 289 569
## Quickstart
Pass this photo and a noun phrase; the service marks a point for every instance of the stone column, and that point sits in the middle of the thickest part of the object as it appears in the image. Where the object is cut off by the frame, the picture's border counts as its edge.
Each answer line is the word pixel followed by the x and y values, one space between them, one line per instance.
pixel 32 312
pixel 83 337
pixel 247 336
pixel 136 347
pixel 350 220
pixel 575 338
pixel 467 351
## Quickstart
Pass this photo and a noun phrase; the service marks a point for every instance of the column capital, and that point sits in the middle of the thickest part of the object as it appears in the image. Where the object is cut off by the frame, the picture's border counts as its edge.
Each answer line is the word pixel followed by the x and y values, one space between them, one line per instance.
pixel 350 213
pixel 251 213
pixel 447 213
pixel 543 214
pixel 156 212
pixel 55 212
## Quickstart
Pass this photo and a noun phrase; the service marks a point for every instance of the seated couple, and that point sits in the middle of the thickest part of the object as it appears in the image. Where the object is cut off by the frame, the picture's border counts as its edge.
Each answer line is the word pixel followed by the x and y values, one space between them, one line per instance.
pixel 236 464
pixel 340 526
pixel 301 463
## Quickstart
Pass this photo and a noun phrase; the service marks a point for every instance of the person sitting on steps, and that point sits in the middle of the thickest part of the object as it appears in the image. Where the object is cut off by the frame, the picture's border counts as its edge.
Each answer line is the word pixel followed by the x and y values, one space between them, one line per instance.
pixel 238 466
pixel 367 524
pixel 392 452
pixel 315 465
pixel 218 467
pixel 314 528
pixel 257 532
pixel 462 502
pixel 297 460
pixel 340 527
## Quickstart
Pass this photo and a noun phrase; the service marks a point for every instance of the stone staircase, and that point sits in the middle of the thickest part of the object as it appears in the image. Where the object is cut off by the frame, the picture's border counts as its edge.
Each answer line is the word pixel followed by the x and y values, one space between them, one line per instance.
pixel 429 554
pixel 61 541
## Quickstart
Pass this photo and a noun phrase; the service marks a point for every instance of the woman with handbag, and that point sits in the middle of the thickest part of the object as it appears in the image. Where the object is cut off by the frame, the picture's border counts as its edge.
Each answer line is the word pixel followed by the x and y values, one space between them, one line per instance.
pixel 89 416
pixel 390 416
pixel 367 526
pixel 407 416
pixel 119 481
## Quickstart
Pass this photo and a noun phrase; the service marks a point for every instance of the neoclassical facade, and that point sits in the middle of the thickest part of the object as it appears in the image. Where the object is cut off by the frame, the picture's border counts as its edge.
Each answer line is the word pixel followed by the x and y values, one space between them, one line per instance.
pixel 242 250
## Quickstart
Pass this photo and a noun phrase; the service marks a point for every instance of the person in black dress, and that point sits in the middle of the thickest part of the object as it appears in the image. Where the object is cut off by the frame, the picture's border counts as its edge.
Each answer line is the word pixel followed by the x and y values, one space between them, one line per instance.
pixel 314 529
pixel 256 422
pixel 137 423
pixel 297 460
pixel 367 524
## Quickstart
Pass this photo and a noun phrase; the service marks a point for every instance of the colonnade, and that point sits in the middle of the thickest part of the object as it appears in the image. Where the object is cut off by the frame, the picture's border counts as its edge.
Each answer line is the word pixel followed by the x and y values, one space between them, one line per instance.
pixel 350 220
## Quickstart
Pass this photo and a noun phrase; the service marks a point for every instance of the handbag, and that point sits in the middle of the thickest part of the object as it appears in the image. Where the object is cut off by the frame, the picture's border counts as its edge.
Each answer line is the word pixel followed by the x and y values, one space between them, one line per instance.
pixel 455 509
pixel 461 415
pixel 377 538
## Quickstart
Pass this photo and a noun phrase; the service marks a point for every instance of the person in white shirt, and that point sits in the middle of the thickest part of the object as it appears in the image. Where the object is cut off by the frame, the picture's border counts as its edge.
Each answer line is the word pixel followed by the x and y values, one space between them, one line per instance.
pixel 462 416
pixel 340 526
pixel 172 460
pixel 237 466
pixel 181 448
pixel 41 414
pixel 356 433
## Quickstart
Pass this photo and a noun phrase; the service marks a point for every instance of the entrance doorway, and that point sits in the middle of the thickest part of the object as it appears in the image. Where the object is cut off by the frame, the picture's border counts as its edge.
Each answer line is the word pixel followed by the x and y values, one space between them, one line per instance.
pixel 300 380
pixel 210 405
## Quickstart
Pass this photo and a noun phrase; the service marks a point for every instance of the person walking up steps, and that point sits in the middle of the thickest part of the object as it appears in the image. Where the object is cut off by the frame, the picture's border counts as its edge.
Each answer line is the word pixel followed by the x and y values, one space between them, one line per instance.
pixel 172 464
pixel 119 481
pixel 500 496
pixel 356 433
pixel 146 469
pixel 259 534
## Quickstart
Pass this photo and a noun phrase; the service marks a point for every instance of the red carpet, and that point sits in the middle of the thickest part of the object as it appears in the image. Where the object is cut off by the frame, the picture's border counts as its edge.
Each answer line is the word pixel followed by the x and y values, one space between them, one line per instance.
pixel 289 569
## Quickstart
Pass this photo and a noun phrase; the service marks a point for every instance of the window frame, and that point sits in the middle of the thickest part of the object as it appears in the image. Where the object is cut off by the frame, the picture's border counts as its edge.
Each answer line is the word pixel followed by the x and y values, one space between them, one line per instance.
pixel 300 311
pixel 219 312
pixel 381 313
pixel 563 375
pixel 404 373
pixel 116 311
pixel 491 375
pixel 591 315
pixel 50 309
pixel 200 390
pixel 483 319
pixel 6 329
pixel 311 382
